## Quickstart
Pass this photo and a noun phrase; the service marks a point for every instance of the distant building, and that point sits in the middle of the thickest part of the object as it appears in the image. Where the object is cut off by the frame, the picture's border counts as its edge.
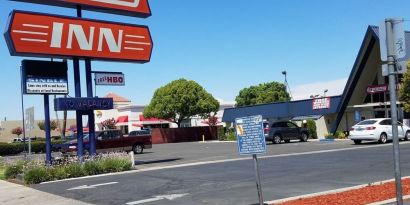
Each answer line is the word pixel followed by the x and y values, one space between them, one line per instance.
pixel 130 117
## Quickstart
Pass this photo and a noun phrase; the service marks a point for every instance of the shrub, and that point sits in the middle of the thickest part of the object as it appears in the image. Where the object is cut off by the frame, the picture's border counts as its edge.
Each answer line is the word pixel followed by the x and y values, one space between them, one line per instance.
pixel 221 133
pixel 93 167
pixel 58 173
pixel 75 170
pixel 329 136
pixel 340 135
pixel 10 148
pixel 16 148
pixel 12 170
pixel 311 126
pixel 37 175
pixel 115 165
pixel 231 136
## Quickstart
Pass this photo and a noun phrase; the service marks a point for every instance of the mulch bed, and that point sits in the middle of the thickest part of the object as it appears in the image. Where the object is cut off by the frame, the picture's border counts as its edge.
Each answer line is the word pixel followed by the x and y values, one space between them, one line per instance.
pixel 361 196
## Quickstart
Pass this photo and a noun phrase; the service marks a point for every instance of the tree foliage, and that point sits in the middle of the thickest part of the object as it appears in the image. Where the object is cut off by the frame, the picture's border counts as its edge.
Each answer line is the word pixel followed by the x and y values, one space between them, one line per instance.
pixel 179 100
pixel 42 125
pixel 404 92
pixel 17 131
pixel 262 93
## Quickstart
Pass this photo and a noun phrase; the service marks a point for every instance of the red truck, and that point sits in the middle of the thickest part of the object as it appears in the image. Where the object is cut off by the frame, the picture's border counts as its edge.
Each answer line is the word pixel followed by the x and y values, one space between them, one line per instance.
pixel 114 140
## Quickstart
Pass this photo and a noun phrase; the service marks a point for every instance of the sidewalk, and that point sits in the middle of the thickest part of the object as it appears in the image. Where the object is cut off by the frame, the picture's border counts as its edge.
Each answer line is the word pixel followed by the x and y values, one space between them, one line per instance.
pixel 12 194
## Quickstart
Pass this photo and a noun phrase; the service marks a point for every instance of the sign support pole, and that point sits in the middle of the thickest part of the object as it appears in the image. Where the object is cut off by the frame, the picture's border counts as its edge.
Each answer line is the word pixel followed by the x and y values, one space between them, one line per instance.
pixel 23 115
pixel 78 114
pixel 47 128
pixel 91 121
pixel 258 179
pixel 391 54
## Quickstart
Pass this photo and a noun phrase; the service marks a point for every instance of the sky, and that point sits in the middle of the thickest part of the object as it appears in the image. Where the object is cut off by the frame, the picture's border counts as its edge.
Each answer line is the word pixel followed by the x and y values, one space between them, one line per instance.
pixel 225 46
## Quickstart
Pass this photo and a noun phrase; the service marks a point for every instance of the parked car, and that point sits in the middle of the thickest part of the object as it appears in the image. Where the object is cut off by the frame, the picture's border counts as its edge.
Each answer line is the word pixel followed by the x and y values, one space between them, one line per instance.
pixel 377 129
pixel 114 140
pixel 286 131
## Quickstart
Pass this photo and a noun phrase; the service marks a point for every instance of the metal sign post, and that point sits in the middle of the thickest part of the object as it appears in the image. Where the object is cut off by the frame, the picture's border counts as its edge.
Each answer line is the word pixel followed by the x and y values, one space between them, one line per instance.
pixel 29 120
pixel 394 49
pixel 251 141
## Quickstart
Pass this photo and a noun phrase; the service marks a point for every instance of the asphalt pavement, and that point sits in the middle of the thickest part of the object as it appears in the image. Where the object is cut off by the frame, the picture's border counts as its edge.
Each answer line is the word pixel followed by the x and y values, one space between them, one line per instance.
pixel 283 173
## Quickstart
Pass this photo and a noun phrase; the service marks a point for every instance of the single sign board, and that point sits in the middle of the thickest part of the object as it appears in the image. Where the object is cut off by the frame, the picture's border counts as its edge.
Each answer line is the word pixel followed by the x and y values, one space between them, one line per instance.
pixel 321 103
pixel 249 132
pixel 138 8
pixel 44 77
pixel 29 118
pixel 109 78
pixel 83 104
pixel 44 35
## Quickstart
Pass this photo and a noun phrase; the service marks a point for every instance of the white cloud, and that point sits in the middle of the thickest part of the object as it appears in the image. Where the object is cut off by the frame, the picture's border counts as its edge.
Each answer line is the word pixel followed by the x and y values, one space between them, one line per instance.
pixel 334 87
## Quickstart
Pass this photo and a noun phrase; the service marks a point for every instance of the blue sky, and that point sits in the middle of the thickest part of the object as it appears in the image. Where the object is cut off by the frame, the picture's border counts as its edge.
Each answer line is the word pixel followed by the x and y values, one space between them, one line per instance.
pixel 225 45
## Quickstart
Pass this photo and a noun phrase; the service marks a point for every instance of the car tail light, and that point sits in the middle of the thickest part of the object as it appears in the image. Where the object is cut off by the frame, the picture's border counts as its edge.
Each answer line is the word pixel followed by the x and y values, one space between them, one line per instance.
pixel 370 128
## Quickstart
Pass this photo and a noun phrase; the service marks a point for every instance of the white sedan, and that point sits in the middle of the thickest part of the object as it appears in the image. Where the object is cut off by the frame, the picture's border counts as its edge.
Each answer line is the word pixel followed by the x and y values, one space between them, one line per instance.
pixel 378 129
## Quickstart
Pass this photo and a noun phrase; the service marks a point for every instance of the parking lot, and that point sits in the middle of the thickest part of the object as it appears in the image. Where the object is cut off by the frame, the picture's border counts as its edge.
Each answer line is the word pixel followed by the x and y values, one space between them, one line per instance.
pixel 213 173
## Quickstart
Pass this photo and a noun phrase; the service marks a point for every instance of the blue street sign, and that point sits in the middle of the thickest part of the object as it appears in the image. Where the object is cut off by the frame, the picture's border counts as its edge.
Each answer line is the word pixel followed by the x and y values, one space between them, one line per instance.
pixel 249 132
pixel 83 104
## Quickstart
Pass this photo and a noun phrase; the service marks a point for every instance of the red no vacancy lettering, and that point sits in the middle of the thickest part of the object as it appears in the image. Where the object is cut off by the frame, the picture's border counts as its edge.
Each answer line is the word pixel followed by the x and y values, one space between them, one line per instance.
pixel 43 35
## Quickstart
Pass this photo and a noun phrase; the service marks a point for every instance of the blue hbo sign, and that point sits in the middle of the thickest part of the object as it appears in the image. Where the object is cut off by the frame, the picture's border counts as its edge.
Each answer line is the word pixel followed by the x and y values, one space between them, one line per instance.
pixel 249 132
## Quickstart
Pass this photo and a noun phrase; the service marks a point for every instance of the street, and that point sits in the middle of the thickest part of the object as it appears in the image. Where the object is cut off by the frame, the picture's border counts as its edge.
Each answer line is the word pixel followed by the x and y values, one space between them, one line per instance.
pixel 318 167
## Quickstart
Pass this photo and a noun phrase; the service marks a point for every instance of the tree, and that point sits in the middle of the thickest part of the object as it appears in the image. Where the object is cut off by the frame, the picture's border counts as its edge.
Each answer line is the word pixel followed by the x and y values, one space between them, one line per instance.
pixel 262 93
pixel 109 123
pixel 179 100
pixel 42 125
pixel 404 92
pixel 17 131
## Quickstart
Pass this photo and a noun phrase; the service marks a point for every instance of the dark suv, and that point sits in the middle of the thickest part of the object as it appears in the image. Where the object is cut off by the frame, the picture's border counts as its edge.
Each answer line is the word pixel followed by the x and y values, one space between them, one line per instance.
pixel 286 131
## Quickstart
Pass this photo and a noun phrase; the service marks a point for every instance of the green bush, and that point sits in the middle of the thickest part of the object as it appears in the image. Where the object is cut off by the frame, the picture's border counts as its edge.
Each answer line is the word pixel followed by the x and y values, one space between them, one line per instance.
pixel 93 167
pixel 116 165
pixel 329 136
pixel 37 175
pixel 17 148
pixel 75 170
pixel 311 126
pixel 221 133
pixel 58 173
pixel 10 148
pixel 231 136
pixel 340 135
pixel 13 170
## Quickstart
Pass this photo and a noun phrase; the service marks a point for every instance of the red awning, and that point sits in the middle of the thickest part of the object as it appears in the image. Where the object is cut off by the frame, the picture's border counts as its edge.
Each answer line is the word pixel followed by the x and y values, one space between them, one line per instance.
pixel 137 125
pixel 122 119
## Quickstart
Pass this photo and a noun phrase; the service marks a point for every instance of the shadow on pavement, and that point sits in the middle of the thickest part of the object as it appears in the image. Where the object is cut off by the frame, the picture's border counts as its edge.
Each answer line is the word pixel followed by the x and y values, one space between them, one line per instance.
pixel 139 162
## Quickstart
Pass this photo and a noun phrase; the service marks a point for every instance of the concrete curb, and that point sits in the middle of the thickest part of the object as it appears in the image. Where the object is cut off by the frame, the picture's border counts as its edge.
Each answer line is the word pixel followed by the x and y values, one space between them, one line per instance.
pixel 332 192
pixel 389 201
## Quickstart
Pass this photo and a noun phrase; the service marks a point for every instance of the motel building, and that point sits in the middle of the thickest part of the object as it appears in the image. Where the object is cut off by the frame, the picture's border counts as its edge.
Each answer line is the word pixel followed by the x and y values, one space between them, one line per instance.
pixel 130 117
pixel 365 96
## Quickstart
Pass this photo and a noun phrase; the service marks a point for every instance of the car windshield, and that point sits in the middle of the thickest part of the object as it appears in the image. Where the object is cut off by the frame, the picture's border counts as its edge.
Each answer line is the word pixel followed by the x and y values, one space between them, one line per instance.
pixel 367 122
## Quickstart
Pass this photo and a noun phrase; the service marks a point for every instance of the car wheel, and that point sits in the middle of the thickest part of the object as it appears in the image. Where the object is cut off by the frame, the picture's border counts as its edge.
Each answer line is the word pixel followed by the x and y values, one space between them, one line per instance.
pixel 286 141
pixel 304 137
pixel 357 141
pixel 383 138
pixel 407 136
pixel 277 139
pixel 138 149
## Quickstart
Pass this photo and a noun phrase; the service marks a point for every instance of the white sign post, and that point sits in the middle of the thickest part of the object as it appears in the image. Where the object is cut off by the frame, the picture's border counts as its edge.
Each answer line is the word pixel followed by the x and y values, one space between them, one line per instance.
pixel 29 124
